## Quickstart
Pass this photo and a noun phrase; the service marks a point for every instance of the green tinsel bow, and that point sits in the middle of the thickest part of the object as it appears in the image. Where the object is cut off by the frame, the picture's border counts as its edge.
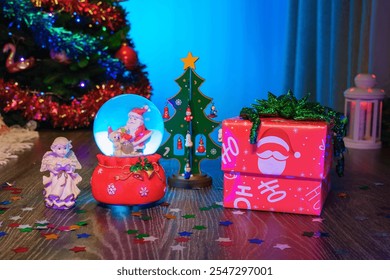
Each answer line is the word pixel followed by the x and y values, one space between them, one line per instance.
pixel 142 165
pixel 289 107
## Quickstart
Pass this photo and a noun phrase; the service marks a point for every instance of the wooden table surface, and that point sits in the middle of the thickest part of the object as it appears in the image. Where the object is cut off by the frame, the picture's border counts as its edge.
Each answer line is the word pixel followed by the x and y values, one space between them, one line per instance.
pixel 355 222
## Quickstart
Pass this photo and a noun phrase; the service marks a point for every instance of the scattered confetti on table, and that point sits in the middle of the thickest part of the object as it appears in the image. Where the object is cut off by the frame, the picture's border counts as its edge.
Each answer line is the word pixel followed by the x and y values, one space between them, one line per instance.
pixel 77 249
pixel 281 246
pixel 189 216
pixel 83 235
pixel 317 220
pixel 177 247
pixel 225 223
pixel 132 231
pixel 185 233
pixel 256 241
pixel 170 216
pixel 150 238
pixel 199 227
pixel 20 249
pixel 182 239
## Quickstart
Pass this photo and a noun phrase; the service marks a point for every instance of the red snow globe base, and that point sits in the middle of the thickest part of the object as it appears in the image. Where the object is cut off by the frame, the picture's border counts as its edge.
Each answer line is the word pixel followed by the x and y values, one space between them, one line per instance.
pixel 129 181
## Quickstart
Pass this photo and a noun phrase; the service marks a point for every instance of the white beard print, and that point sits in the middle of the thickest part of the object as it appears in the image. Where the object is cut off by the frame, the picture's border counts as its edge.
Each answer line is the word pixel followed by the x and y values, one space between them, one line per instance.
pixel 271 166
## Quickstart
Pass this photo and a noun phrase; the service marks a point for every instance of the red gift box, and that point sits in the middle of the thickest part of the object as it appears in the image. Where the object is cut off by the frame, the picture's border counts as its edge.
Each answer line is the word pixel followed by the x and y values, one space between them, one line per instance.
pixel 285 171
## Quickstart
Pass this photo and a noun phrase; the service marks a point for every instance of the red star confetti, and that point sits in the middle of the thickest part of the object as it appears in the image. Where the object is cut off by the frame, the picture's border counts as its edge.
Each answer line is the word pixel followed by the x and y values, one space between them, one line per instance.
pixel 77 249
pixel 64 228
pixel 182 239
pixel 139 241
pixel 20 249
pixel 170 216
pixel 13 225
pixel 225 243
pixel 189 216
pixel 282 246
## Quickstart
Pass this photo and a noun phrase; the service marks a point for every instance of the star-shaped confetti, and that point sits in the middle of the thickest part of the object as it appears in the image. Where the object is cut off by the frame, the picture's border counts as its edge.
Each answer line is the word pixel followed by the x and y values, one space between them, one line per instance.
pixel 2 210
pixel 15 218
pixel 5 202
pixel 364 187
pixel 136 214
pixel 2 233
pixel 185 233
pixel 42 222
pixel 225 223
pixel 317 220
pixel 77 249
pixel 27 209
pixel 170 216
pixel 255 241
pixel 74 227
pixel 20 249
pixel 146 218
pixel 223 239
pixel 199 227
pixel 189 61
pixel 238 212
pixel 150 238
pixel 175 210
pixel 64 228
pixel 24 226
pixel 226 243
pixel 132 231
pixel 14 225
pixel 141 235
pixel 342 195
pixel 51 236
pixel 139 241
pixel 82 223
pixel 15 198
pixel 189 216
pixel 177 247
pixel 81 211
pixel 282 246
pixel 378 184
pixel 27 229
pixel 205 208
pixel 182 239
pixel 83 235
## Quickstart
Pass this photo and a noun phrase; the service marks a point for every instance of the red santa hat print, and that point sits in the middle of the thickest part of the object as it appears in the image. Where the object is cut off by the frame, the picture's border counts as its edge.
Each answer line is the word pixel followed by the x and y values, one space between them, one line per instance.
pixel 275 142
pixel 138 112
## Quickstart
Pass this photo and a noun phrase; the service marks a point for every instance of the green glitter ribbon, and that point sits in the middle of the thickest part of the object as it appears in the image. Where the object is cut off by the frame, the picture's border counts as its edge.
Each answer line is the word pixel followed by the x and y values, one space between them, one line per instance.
pixel 289 107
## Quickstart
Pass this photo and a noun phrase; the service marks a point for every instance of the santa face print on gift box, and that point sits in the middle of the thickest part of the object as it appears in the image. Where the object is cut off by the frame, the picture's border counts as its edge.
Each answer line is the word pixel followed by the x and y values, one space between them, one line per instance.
pixel 273 149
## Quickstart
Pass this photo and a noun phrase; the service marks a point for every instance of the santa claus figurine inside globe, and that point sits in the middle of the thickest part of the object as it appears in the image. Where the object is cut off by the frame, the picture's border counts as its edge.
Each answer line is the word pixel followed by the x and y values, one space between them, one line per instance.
pixel 128 129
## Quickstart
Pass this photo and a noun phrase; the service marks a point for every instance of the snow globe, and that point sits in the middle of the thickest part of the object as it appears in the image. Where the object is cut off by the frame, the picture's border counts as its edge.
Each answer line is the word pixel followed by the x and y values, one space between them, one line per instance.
pixel 128 130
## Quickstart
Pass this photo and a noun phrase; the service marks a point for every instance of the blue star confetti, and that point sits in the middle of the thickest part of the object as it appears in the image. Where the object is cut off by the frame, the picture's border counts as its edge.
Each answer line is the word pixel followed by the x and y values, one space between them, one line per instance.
pixel 255 241
pixel 225 223
pixel 2 233
pixel 83 235
pixel 185 233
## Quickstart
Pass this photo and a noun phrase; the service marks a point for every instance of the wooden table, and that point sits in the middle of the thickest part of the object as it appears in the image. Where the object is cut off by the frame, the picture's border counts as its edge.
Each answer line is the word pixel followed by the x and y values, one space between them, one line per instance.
pixel 355 225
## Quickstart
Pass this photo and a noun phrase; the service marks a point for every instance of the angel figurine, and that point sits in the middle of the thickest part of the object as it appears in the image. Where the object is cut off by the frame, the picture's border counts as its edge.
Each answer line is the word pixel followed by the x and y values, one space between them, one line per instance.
pixel 60 189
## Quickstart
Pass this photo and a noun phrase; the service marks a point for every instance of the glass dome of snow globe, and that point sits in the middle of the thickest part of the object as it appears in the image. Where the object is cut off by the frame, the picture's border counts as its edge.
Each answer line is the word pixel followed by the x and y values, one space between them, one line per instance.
pixel 128 125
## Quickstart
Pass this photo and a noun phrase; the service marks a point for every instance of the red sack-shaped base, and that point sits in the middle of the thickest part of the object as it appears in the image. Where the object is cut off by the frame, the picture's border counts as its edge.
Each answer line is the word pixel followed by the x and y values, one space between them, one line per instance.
pixel 128 180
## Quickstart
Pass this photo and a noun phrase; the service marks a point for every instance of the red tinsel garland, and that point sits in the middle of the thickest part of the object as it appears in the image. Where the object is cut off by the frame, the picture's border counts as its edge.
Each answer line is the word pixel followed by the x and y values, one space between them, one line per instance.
pixel 100 12
pixel 79 113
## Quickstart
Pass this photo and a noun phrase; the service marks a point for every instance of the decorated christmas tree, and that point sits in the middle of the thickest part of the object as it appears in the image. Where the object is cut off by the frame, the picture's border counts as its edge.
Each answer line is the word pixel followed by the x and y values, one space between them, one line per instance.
pixel 190 128
pixel 62 59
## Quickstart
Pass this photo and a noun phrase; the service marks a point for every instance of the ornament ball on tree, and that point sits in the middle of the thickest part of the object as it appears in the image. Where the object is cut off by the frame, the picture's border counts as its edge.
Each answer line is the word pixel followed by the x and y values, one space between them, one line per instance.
pixel 128 56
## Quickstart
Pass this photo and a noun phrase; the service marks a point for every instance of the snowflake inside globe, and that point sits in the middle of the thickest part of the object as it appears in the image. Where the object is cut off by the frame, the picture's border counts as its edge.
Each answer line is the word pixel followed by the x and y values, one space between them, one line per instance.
pixel 128 125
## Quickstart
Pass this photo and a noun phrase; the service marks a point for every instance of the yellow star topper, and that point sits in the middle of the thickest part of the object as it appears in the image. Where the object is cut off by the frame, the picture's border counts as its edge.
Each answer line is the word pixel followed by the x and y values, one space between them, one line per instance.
pixel 189 61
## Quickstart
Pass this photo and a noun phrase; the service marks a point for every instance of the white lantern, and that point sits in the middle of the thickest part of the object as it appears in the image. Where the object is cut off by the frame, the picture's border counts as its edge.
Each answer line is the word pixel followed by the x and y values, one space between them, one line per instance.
pixel 363 107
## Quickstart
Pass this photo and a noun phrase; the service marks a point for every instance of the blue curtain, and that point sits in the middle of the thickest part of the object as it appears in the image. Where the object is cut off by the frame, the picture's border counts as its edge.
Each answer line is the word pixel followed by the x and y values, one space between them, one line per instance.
pixel 330 42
